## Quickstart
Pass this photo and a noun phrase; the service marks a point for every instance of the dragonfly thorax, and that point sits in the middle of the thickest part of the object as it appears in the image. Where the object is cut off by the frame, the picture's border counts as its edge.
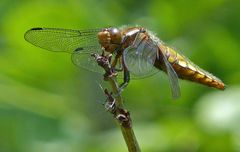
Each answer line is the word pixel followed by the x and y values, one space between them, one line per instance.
pixel 110 39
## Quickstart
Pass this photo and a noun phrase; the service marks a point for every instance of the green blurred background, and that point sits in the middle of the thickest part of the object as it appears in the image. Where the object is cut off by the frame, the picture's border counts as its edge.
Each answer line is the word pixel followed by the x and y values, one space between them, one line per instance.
pixel 49 105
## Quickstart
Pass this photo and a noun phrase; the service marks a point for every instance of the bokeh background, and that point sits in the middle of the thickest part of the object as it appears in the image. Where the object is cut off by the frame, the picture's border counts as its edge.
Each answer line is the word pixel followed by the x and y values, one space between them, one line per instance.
pixel 49 105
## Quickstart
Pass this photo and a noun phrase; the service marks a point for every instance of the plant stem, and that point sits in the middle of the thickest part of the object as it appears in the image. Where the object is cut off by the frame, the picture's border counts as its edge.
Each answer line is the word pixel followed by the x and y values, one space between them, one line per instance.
pixel 115 104
pixel 127 130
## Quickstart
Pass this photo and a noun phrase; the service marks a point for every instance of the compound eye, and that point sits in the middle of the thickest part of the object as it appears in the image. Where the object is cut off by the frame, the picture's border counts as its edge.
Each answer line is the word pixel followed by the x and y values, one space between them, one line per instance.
pixel 116 36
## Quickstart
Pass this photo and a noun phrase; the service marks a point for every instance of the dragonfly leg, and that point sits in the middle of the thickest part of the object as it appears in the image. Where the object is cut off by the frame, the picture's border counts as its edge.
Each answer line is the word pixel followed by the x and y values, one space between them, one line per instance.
pixel 126 79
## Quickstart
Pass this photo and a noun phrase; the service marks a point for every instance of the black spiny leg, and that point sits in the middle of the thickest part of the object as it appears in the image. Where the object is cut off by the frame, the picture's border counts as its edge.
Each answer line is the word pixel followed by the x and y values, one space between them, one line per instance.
pixel 126 79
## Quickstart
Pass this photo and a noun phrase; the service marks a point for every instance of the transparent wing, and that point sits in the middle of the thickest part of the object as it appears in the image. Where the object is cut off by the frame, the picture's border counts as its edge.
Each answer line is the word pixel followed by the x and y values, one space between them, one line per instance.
pixel 66 40
pixel 140 57
pixel 172 76
pixel 81 43
pixel 85 59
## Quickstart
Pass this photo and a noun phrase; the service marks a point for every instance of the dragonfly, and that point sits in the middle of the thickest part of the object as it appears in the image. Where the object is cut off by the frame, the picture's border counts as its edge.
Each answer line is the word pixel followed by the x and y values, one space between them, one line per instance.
pixel 137 53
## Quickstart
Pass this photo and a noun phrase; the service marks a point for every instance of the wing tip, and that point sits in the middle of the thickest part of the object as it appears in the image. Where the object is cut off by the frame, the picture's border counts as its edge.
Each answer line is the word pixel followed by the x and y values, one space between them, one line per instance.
pixel 32 29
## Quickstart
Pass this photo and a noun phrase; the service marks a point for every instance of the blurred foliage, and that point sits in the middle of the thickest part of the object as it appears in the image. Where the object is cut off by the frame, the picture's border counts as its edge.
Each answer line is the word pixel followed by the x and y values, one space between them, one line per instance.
pixel 47 104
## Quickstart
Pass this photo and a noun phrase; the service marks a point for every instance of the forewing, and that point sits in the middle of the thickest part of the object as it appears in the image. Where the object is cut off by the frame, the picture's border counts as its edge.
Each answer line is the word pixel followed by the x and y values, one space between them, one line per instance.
pixel 66 40
pixel 139 58
pixel 172 76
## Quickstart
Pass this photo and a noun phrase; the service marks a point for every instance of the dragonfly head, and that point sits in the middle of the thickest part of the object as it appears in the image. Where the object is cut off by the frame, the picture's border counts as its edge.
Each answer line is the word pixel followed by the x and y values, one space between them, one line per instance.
pixel 110 39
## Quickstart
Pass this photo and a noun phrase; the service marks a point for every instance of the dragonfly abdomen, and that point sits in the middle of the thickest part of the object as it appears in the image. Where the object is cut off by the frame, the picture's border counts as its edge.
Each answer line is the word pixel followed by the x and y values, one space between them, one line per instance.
pixel 187 70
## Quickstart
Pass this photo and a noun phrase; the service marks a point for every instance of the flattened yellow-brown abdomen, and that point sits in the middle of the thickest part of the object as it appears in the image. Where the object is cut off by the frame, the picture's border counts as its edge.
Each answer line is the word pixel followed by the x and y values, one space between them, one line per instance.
pixel 185 69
